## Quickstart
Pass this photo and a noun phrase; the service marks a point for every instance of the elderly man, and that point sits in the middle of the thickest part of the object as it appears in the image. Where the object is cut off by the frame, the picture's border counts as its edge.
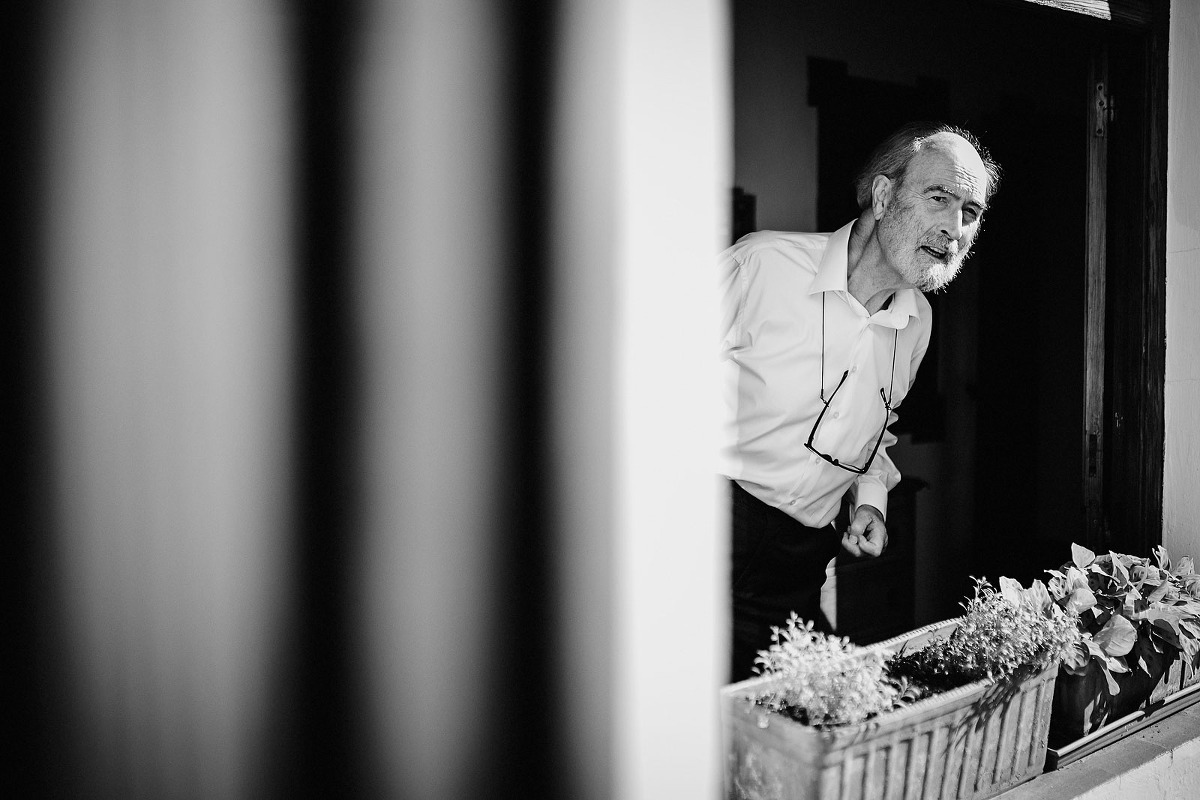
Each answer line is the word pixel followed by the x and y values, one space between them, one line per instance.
pixel 822 338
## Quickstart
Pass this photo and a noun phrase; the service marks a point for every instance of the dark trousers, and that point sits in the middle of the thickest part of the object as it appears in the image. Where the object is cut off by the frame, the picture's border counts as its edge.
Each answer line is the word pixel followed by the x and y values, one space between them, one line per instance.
pixel 778 567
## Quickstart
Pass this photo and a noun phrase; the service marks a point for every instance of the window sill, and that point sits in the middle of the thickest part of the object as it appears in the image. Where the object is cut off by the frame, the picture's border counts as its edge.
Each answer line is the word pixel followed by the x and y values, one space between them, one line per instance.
pixel 1160 761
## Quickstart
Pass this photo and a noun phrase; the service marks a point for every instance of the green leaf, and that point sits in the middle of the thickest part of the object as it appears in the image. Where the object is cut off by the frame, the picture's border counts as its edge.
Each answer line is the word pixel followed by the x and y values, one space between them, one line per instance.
pixel 1159 592
pixel 1120 571
pixel 1160 613
pixel 1167 628
pixel 1081 556
pixel 1116 638
pixel 1133 603
pixel 1075 658
pixel 1190 648
pixel 1011 590
pixel 1080 600
pixel 1113 688
pixel 1037 596
pixel 1094 649
pixel 1160 555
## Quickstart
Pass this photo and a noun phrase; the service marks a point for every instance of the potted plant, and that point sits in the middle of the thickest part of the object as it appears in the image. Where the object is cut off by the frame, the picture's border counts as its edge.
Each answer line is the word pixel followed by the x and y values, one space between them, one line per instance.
pixel 1140 626
pixel 955 709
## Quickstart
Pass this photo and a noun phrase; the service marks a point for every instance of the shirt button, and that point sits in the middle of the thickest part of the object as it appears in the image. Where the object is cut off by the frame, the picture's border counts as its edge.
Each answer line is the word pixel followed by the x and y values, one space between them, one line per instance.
pixel 854 368
pixel 837 415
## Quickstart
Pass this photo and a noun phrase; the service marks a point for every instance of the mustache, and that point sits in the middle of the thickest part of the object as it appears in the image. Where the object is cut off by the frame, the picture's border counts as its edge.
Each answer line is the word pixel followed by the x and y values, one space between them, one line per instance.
pixel 949 246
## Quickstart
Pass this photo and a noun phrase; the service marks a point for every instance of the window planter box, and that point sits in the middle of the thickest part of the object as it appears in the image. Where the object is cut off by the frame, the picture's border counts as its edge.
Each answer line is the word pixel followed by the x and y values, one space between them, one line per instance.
pixel 1086 717
pixel 972 742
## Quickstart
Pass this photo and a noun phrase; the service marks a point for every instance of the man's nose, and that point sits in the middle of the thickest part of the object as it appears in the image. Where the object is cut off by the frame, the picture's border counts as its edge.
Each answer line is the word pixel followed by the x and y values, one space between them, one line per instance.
pixel 952 225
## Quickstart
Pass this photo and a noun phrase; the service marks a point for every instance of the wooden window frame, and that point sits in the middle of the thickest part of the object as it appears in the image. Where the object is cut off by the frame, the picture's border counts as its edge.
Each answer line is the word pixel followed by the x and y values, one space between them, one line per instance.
pixel 1125 329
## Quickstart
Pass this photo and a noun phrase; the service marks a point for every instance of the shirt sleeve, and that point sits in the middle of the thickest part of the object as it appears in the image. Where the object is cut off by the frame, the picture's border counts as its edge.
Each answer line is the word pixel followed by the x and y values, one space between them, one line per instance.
pixel 730 290
pixel 871 489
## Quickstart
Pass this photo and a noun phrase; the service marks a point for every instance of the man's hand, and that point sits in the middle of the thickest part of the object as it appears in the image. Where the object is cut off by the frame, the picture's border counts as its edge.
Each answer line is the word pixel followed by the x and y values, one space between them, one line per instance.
pixel 867 534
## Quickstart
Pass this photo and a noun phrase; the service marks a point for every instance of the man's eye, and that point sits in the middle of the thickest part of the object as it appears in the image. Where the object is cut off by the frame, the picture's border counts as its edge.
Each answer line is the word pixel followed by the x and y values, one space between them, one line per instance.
pixel 937 198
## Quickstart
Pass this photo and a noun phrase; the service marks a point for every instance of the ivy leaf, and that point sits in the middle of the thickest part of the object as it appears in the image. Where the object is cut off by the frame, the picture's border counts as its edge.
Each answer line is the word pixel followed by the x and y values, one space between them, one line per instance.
pixel 1120 570
pixel 1191 626
pixel 1037 596
pixel 1160 613
pixel 1110 666
pixel 1081 556
pixel 1011 590
pixel 1075 658
pixel 1080 600
pixel 1116 664
pixel 1190 648
pixel 1160 555
pixel 1134 603
pixel 1117 637
pixel 1166 625
pixel 1159 592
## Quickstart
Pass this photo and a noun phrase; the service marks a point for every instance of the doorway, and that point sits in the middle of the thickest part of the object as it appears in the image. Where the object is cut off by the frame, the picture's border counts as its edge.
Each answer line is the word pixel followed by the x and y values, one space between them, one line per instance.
pixel 994 429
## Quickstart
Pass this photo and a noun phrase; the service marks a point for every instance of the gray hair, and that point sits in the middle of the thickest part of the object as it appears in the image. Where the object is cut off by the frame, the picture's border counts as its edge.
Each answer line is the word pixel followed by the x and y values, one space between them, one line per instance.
pixel 892 157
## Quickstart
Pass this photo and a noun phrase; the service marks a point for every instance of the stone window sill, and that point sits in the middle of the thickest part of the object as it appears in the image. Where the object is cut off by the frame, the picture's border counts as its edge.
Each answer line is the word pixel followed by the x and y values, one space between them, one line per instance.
pixel 1160 761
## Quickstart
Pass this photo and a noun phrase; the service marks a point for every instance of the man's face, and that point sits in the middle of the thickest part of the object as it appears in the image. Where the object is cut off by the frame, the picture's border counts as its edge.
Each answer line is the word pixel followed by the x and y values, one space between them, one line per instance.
pixel 933 215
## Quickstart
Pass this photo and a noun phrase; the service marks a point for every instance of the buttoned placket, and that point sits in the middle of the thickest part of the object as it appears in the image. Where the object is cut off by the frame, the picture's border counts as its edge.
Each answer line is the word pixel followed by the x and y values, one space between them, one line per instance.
pixel 841 424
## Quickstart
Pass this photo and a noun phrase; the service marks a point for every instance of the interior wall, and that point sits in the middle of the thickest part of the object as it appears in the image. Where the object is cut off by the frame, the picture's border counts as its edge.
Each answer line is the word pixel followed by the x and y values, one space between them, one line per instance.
pixel 1181 500
pixel 776 160
pixel 775 129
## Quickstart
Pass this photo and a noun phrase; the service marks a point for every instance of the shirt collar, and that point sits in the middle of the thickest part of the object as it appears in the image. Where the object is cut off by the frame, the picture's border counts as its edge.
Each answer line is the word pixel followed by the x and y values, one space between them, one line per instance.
pixel 831 272
pixel 831 277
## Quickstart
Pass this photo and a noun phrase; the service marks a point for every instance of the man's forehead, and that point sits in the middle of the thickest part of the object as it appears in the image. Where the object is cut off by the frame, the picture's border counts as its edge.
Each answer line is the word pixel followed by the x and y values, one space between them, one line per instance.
pixel 951 164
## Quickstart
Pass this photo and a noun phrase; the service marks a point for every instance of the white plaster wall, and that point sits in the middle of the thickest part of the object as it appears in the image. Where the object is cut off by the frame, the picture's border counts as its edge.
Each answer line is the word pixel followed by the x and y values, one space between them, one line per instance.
pixel 669 584
pixel 1181 498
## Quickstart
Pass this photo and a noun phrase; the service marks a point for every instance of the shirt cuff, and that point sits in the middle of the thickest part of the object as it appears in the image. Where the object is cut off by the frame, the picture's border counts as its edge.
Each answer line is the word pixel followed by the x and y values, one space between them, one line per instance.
pixel 871 494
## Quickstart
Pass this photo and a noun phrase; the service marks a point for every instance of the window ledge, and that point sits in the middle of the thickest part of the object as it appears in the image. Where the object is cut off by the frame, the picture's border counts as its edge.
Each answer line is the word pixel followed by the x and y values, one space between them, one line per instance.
pixel 1160 761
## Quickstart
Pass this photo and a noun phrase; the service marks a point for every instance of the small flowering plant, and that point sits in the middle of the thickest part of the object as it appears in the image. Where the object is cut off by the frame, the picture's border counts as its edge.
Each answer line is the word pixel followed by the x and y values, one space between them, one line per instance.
pixel 1004 634
pixel 1130 611
pixel 826 681
pixel 823 680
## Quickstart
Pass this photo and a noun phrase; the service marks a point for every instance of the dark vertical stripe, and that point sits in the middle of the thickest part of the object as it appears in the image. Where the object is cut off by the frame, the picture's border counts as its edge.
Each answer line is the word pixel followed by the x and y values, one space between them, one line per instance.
pixel 317 728
pixel 26 711
pixel 526 761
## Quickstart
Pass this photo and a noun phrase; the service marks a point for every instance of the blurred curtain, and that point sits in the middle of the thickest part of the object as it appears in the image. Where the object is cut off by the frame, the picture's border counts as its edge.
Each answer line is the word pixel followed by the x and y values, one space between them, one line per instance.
pixel 362 399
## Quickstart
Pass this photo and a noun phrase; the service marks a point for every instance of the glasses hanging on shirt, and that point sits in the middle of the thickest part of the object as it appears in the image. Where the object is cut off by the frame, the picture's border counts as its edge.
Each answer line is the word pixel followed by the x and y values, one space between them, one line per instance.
pixel 886 400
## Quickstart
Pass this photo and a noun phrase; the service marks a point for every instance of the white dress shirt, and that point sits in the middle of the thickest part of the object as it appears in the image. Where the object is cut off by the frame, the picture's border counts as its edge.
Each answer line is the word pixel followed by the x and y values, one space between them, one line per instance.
pixel 773 285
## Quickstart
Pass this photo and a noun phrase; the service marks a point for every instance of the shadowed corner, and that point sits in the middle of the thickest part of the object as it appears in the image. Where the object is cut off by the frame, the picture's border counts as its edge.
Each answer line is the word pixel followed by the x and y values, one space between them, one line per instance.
pixel 26 723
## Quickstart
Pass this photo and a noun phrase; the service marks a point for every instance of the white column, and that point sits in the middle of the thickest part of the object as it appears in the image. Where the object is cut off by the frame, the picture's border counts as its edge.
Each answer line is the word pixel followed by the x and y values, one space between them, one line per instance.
pixel 1181 500
pixel 671 573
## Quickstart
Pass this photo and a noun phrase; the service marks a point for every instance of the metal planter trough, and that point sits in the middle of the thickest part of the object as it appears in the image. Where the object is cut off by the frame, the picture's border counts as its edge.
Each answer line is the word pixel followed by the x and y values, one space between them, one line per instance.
pixel 1086 717
pixel 972 742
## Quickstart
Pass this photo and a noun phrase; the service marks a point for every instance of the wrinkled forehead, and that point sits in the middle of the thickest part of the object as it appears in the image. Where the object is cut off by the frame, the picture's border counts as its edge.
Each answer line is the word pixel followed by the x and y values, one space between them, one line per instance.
pixel 947 159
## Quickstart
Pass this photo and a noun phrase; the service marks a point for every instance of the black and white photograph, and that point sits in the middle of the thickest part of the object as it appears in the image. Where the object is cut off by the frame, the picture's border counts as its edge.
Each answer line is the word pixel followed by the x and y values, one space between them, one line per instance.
pixel 602 400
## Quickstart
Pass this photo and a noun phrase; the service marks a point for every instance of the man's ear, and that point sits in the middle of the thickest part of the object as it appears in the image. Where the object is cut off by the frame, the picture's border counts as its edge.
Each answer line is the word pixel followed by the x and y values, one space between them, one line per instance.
pixel 881 195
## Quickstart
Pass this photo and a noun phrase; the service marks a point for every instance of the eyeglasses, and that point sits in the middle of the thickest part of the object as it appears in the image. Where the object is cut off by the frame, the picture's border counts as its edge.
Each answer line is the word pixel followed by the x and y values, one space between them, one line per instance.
pixel 885 398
